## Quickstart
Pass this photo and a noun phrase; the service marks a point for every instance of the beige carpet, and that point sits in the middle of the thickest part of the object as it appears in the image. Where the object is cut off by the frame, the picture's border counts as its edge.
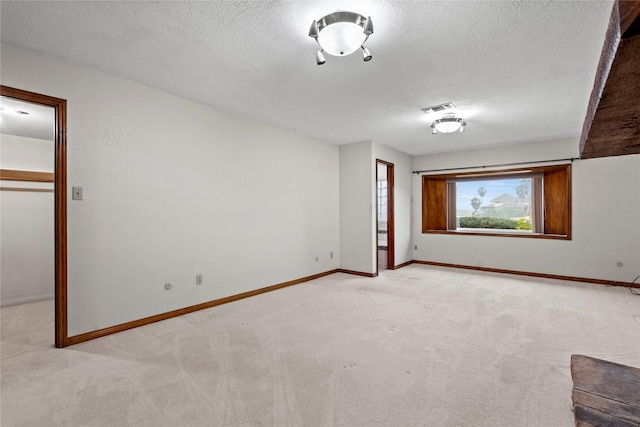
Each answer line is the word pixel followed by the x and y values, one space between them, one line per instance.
pixel 420 346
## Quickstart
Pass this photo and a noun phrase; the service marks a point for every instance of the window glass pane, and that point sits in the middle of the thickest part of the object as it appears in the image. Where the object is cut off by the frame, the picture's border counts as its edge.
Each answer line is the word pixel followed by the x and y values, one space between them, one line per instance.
pixel 500 204
pixel 382 200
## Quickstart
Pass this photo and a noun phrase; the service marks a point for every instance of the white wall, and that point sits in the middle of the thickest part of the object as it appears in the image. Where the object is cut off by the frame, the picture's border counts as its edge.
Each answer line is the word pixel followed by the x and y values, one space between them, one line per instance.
pixel 26 224
pixel 358 205
pixel 173 188
pixel 402 199
pixel 357 213
pixel 606 224
pixel 22 153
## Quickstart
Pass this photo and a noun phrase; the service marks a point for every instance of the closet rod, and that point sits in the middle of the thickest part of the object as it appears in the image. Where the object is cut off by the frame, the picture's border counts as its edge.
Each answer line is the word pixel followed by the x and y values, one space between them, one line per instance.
pixel 28 190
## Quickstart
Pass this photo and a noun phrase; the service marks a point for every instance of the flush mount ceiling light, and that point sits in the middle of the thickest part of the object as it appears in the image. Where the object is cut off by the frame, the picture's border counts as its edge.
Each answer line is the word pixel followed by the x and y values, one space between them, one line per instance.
pixel 448 124
pixel 340 34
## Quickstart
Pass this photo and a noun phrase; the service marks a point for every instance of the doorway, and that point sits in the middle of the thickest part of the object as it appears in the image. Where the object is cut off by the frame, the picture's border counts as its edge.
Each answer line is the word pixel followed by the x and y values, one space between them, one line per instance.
pixel 59 180
pixel 384 216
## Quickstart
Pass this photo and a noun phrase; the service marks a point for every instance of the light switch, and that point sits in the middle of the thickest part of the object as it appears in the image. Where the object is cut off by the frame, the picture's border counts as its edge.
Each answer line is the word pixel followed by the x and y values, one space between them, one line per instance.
pixel 76 193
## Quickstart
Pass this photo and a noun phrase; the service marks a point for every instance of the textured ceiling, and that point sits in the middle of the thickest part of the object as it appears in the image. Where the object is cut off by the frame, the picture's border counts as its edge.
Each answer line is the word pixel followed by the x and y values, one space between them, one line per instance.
pixel 517 70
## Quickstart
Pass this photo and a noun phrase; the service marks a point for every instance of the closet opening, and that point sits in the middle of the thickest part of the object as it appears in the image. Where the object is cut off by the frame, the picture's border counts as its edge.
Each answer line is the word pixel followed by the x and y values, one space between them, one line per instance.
pixel 33 174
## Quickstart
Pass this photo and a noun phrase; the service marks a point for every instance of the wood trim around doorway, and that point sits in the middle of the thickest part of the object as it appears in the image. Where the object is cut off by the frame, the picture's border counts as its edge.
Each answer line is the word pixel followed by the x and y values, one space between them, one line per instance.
pixel 390 216
pixel 60 187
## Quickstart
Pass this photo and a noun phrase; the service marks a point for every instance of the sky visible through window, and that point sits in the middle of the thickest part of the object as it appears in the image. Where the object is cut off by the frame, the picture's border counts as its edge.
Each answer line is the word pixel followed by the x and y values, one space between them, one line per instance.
pixel 465 191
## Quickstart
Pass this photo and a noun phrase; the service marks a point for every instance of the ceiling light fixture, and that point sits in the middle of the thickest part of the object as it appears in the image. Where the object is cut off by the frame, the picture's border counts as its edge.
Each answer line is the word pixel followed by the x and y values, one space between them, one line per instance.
pixel 340 34
pixel 448 124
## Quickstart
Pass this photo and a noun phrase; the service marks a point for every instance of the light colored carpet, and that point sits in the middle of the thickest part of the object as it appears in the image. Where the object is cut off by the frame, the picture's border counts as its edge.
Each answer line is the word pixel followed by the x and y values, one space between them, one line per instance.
pixel 420 346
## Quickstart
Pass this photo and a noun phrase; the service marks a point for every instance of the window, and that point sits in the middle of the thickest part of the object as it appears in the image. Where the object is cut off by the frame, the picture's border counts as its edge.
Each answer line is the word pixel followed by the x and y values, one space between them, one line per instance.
pixel 535 202
pixel 382 201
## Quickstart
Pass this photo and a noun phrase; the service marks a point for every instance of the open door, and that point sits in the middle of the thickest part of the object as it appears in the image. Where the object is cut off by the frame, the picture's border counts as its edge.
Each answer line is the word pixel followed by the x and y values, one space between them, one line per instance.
pixel 384 216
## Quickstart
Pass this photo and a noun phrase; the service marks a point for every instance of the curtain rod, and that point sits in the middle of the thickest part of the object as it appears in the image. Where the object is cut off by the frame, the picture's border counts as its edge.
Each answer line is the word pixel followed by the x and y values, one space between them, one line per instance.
pixel 497 165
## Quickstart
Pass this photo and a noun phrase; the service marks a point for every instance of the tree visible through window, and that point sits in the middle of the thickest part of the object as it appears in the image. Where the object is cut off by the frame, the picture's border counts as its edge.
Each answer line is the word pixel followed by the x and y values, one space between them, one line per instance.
pixel 502 204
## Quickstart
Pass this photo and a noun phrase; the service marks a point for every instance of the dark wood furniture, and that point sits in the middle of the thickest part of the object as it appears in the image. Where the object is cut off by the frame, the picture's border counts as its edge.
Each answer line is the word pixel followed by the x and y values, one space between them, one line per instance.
pixel 605 393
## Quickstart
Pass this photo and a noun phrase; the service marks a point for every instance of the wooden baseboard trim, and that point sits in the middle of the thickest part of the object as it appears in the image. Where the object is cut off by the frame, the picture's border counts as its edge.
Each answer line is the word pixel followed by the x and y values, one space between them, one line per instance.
pixel 404 264
pixel 530 274
pixel 179 312
pixel 357 273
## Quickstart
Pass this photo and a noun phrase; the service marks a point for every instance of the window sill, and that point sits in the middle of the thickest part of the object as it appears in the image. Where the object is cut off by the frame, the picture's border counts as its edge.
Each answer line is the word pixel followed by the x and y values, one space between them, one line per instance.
pixel 498 233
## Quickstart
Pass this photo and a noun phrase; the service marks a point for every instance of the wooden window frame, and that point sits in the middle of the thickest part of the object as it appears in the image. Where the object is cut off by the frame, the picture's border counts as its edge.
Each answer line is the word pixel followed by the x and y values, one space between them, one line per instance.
pixel 556 221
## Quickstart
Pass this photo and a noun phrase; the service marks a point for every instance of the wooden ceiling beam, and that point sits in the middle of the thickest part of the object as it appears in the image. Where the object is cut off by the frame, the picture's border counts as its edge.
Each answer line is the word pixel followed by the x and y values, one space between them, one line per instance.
pixel 628 12
pixel 612 123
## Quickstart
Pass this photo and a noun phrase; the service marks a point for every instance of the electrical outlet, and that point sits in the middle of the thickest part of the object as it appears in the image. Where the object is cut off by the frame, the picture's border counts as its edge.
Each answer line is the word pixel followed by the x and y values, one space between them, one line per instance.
pixel 415 248
pixel 317 259
pixel 198 279
pixel 331 255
